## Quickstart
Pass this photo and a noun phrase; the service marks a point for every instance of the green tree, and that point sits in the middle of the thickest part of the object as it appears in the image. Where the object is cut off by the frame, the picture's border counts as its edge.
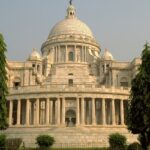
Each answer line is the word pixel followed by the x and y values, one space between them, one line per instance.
pixel 3 84
pixel 139 108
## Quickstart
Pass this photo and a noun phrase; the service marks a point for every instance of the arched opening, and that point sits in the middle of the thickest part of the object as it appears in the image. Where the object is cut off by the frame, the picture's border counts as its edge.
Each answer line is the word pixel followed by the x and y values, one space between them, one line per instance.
pixel 38 68
pixel 16 82
pixel 70 118
pixel 71 56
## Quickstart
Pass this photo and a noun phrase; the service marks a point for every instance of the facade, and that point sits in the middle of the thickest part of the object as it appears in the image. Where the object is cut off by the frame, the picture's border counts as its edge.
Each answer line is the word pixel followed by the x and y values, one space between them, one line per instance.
pixel 71 84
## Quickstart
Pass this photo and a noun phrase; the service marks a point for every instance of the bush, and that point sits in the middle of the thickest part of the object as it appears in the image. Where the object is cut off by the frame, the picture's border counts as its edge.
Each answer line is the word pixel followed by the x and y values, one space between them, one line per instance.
pixel 13 143
pixel 117 141
pixel 45 141
pixel 134 146
pixel 2 141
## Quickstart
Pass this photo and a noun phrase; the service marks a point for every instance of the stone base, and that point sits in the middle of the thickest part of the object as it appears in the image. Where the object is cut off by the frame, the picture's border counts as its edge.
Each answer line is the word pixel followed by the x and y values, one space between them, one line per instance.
pixel 70 136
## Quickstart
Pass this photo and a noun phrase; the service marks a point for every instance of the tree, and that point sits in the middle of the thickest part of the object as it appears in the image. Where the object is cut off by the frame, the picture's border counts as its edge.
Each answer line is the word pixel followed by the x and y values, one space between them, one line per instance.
pixel 139 108
pixel 3 84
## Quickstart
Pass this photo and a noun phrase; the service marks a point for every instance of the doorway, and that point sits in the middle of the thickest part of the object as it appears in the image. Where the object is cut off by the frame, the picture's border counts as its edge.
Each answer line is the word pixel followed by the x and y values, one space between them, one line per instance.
pixel 70 118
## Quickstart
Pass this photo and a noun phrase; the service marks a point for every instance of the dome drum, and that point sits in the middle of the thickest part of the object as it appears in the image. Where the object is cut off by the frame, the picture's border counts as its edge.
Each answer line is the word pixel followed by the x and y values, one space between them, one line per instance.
pixel 61 53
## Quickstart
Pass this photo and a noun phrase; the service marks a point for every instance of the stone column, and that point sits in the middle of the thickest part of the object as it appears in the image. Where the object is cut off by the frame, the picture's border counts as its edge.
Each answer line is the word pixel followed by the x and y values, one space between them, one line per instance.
pixel 58 111
pixel 18 111
pixel 103 112
pixel 113 112
pixel 56 54
pixel 63 111
pixel 37 111
pixel 93 112
pixel 47 111
pixel 82 55
pixel 66 54
pixel 10 112
pixel 27 111
pixel 122 111
pixel 85 52
pixel 82 112
pixel 77 112
pixel 75 53
pixel 51 111
pixel 59 54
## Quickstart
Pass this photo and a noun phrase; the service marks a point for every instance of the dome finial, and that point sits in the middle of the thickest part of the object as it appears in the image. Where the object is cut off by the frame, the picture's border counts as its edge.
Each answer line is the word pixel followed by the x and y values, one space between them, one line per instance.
pixel 71 12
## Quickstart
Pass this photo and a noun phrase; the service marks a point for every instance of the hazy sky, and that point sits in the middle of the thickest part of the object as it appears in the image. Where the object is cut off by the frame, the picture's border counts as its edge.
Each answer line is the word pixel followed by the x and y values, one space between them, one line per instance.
pixel 122 26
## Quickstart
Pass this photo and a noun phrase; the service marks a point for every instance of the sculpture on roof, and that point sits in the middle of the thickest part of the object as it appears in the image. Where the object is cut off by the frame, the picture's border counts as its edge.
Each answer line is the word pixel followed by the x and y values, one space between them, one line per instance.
pixel 70 2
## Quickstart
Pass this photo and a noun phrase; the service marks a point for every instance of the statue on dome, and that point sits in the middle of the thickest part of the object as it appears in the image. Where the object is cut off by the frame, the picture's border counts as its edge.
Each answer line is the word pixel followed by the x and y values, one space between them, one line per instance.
pixel 70 2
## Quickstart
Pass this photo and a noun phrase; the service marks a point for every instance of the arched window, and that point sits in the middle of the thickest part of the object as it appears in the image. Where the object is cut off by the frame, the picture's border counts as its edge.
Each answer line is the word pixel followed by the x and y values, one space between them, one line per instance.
pixel 124 82
pixel 38 68
pixel 71 56
pixel 16 82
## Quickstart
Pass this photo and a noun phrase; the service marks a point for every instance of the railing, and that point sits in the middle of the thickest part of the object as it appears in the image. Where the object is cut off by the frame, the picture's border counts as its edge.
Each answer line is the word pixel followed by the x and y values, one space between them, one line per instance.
pixel 68 88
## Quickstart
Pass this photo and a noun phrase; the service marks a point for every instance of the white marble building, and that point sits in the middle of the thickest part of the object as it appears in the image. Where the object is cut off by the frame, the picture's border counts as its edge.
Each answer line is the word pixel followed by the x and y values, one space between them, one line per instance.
pixel 71 84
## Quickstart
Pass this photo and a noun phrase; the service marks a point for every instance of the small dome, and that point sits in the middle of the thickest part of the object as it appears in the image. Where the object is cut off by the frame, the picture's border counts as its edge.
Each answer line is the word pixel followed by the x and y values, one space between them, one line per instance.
pixel 34 55
pixel 107 55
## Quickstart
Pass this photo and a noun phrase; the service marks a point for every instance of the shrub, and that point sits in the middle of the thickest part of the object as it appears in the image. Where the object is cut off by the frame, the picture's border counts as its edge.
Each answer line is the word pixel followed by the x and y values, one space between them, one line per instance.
pixel 2 141
pixel 13 143
pixel 117 141
pixel 134 146
pixel 45 141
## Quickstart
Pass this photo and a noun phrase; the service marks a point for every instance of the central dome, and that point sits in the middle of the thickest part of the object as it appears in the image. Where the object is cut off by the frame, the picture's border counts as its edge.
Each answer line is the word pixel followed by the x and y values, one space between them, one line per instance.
pixel 71 25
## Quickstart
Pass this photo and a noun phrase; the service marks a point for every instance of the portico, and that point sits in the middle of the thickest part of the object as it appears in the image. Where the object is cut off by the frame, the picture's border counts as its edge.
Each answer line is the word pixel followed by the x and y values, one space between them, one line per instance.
pixel 59 111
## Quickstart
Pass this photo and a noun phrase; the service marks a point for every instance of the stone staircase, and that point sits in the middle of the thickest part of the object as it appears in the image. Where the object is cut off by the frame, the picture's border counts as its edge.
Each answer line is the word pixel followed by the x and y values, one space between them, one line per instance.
pixel 69 136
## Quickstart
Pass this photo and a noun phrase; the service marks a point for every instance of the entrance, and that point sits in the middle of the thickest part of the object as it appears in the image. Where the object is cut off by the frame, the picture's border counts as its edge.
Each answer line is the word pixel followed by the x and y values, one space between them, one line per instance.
pixel 70 118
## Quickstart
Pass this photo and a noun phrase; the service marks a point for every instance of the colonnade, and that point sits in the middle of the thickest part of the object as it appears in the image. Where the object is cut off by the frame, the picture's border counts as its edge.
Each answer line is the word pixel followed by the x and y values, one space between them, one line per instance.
pixel 52 111
pixel 61 53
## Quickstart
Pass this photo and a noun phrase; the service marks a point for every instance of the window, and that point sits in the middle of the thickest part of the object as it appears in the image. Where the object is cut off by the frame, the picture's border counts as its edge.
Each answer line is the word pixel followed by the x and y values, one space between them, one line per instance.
pixel 70 74
pixel 16 83
pixel 70 82
pixel 124 82
pixel 38 68
pixel 71 56
pixel 43 69
pixel 33 65
pixel 103 68
pixel 107 65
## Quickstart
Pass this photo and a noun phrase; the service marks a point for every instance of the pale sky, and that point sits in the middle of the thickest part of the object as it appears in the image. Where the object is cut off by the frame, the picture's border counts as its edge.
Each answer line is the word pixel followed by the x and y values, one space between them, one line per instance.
pixel 122 26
